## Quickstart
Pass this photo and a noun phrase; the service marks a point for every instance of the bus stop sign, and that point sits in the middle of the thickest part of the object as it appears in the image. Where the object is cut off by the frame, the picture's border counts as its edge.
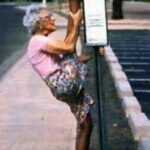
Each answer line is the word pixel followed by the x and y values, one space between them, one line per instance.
pixel 95 22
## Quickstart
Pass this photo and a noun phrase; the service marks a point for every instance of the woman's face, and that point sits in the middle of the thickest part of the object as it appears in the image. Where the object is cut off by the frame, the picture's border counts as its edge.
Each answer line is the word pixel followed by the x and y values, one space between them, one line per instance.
pixel 47 21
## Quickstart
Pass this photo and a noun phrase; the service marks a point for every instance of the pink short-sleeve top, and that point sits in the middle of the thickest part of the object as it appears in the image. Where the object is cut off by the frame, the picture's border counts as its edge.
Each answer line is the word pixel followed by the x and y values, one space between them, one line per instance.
pixel 43 62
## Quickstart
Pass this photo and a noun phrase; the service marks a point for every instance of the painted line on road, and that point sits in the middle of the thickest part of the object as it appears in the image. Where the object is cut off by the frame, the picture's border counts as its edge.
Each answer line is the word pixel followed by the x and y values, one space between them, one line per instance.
pixel 134 63
pixel 123 57
pixel 132 79
pixel 135 53
pixel 141 91
pixel 135 70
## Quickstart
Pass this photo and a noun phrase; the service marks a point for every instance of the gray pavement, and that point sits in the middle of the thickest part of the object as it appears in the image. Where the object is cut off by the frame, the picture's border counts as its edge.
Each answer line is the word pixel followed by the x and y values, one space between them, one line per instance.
pixel 31 118
pixel 13 36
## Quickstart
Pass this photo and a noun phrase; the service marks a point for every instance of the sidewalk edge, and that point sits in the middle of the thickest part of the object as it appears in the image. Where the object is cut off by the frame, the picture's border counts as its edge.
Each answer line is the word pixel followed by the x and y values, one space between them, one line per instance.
pixel 130 104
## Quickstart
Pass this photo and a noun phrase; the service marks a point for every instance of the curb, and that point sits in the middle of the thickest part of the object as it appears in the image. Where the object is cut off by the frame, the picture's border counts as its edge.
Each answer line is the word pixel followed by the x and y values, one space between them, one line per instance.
pixel 137 120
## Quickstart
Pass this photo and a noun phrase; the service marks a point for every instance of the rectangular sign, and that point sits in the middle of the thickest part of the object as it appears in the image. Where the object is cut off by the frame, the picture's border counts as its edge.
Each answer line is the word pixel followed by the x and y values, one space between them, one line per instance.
pixel 95 22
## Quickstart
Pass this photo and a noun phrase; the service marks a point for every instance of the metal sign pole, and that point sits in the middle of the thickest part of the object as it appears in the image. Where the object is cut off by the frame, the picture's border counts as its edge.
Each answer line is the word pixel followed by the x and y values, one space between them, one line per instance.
pixel 100 97
pixel 95 26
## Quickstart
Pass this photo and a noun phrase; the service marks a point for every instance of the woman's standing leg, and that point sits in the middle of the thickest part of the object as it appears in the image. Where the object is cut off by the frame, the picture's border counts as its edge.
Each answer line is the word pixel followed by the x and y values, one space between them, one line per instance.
pixel 83 138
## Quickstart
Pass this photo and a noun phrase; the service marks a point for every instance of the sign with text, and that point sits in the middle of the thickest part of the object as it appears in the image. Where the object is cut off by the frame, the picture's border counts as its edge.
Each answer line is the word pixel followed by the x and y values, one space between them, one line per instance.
pixel 95 22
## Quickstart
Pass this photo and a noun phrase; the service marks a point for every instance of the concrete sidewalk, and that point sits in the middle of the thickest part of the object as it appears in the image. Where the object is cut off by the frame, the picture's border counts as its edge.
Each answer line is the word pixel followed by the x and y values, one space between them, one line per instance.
pixel 31 118
pixel 136 16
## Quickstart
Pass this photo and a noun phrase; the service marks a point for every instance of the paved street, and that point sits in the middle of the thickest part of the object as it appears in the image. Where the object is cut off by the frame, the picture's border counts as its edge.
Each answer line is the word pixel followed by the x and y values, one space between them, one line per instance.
pixel 129 39
pixel 13 36
pixel 133 51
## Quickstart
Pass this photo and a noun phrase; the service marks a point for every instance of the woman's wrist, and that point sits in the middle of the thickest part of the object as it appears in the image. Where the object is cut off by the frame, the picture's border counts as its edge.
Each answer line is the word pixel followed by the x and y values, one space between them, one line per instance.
pixel 77 18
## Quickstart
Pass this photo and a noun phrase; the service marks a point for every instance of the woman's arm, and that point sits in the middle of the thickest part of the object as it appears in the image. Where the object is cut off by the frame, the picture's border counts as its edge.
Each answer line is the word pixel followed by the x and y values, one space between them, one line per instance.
pixel 66 46
pixel 76 21
pixel 74 6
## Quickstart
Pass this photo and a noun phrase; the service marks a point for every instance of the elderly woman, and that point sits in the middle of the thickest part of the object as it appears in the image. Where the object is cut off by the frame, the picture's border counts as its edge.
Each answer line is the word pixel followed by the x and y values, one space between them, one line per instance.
pixel 63 75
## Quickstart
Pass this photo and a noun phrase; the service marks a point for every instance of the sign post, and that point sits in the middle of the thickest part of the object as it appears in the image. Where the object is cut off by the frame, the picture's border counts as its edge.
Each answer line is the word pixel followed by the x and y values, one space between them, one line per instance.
pixel 95 22
pixel 95 26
